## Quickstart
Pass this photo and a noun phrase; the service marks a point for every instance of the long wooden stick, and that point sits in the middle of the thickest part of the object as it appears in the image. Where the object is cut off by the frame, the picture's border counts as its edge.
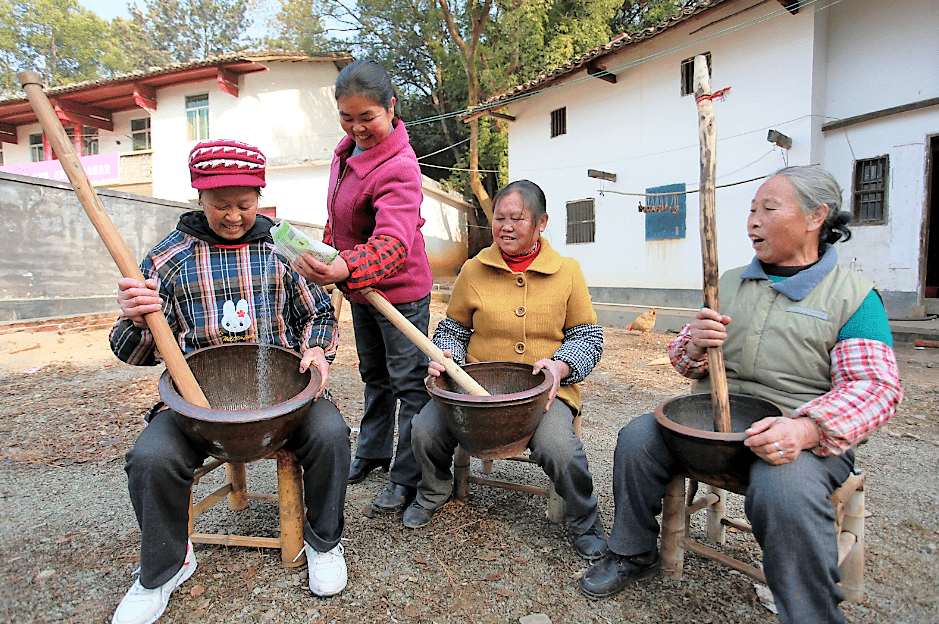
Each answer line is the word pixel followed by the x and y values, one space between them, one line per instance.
pixel 423 342
pixel 156 322
pixel 707 135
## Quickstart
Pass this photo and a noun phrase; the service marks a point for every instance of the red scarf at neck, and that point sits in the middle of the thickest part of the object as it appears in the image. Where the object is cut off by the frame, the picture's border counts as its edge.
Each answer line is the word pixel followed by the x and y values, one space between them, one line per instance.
pixel 518 264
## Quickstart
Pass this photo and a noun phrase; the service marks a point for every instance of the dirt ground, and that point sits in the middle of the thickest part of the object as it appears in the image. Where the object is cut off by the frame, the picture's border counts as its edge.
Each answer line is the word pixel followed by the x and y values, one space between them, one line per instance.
pixel 69 542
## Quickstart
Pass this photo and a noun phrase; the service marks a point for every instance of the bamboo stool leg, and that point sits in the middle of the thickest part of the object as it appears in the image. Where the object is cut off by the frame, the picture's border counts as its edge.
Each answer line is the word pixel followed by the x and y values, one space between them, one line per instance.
pixel 852 567
pixel 238 497
pixel 290 502
pixel 673 528
pixel 556 505
pixel 461 470
pixel 716 530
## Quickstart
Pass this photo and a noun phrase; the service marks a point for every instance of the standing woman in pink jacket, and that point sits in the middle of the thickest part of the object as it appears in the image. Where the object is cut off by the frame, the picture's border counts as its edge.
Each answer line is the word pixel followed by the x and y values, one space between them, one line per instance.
pixel 374 220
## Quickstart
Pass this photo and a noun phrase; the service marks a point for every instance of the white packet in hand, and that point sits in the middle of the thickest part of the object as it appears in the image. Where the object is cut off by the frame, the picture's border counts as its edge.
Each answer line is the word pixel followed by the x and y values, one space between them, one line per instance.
pixel 291 242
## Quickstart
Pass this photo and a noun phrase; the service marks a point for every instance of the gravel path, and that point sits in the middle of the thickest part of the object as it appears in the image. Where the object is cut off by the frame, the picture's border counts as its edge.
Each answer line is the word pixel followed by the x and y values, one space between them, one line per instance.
pixel 69 541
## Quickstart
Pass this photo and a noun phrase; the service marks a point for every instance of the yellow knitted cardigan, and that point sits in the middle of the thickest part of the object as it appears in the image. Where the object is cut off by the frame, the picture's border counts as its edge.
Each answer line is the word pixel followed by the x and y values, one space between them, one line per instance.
pixel 521 317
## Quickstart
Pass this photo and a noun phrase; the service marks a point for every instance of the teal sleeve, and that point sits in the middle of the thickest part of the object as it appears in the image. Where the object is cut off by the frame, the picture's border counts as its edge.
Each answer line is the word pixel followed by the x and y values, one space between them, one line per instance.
pixel 869 322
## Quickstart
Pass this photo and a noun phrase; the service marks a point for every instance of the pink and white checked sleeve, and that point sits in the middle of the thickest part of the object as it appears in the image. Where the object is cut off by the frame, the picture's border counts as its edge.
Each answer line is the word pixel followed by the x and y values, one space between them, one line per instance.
pixel 865 392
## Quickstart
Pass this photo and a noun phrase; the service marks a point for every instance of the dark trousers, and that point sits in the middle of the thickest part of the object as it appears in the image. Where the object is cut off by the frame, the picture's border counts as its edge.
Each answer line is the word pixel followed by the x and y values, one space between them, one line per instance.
pixel 159 473
pixel 393 370
pixel 789 507
pixel 554 446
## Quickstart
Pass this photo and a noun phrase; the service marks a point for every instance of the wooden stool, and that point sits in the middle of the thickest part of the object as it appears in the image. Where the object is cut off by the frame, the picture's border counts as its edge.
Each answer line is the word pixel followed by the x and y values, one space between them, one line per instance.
pixel 676 521
pixel 462 478
pixel 289 497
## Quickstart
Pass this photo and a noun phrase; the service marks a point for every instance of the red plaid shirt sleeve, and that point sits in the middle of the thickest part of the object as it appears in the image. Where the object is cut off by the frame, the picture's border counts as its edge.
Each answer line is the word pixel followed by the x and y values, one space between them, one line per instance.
pixel 865 392
pixel 379 257
pixel 681 361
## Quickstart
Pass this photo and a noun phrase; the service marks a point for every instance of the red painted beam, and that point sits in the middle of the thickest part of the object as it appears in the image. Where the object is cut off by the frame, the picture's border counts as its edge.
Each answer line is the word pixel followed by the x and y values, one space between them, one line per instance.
pixel 145 96
pixel 228 81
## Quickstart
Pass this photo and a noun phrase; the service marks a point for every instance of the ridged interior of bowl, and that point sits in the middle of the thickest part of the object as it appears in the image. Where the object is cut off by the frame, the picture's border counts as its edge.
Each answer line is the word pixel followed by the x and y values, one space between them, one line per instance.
pixel 245 382
pixel 692 415
pixel 506 382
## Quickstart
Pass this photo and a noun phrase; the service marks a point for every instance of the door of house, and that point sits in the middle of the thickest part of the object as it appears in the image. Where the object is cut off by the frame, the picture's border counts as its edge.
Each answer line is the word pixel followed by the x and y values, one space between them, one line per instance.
pixel 931 272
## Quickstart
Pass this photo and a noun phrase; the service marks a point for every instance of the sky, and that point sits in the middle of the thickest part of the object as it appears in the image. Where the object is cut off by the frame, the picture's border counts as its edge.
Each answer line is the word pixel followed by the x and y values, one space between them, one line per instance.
pixel 109 9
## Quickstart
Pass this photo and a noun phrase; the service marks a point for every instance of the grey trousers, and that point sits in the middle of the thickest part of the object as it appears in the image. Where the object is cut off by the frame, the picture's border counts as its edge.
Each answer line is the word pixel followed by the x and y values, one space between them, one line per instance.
pixel 554 447
pixel 159 474
pixel 789 507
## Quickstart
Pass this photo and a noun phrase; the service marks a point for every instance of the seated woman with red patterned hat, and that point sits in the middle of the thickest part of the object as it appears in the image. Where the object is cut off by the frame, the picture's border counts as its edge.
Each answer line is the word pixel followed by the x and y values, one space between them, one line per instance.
pixel 206 278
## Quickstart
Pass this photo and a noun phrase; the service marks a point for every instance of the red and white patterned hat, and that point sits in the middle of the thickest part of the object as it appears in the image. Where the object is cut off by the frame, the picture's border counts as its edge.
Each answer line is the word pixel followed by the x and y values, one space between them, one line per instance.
pixel 224 162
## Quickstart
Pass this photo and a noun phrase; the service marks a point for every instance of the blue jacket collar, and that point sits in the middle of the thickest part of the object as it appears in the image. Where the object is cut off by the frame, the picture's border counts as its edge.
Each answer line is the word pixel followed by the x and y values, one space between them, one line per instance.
pixel 800 284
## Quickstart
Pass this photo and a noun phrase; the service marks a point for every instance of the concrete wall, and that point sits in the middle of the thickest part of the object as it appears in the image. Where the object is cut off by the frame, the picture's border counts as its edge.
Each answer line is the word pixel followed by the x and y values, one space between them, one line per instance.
pixel 53 262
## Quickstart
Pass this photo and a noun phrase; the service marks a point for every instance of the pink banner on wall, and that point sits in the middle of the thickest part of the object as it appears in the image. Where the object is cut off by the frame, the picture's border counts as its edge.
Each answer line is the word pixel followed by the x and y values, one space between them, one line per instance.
pixel 100 169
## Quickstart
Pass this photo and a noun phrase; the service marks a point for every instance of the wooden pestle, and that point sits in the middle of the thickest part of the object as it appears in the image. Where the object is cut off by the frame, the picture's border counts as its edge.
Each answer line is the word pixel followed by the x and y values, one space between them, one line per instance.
pixel 156 322
pixel 707 136
pixel 423 343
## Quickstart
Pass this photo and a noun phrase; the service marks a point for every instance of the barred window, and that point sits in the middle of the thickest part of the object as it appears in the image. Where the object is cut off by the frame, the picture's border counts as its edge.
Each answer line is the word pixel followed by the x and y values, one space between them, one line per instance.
pixel 558 122
pixel 870 190
pixel 581 227
pixel 687 74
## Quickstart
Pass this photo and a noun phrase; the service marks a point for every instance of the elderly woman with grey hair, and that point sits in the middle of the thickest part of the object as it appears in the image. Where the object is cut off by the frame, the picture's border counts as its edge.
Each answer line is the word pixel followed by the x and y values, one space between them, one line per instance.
pixel 807 334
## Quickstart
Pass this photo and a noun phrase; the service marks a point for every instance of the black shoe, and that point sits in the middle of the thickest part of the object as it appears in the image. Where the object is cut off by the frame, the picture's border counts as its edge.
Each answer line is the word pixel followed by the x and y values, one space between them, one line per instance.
pixel 395 498
pixel 361 467
pixel 416 516
pixel 613 573
pixel 591 545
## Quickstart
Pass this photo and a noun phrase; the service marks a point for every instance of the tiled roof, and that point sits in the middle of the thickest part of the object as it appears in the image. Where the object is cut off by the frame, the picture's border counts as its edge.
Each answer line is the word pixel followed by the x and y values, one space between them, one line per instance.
pixel 590 56
pixel 249 56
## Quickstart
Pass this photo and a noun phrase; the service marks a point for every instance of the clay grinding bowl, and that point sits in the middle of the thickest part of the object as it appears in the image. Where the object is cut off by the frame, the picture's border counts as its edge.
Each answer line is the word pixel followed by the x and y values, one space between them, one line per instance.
pixel 257 394
pixel 497 426
pixel 720 459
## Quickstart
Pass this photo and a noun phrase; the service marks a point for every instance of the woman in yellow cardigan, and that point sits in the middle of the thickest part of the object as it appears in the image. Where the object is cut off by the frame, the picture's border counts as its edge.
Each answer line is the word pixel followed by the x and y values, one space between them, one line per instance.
pixel 520 300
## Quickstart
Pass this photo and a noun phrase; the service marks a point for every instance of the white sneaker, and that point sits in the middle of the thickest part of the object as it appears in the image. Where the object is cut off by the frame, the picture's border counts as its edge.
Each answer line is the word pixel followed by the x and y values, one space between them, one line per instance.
pixel 145 606
pixel 327 570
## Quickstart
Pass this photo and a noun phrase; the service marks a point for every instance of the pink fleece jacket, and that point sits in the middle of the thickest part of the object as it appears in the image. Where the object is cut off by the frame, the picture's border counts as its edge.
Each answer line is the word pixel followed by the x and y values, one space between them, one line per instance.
pixel 378 192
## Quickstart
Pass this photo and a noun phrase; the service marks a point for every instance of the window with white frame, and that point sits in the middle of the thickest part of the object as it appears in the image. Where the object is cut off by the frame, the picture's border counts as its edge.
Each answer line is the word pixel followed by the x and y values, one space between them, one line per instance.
pixel 870 190
pixel 140 133
pixel 558 122
pixel 687 74
pixel 36 150
pixel 581 227
pixel 89 141
pixel 197 116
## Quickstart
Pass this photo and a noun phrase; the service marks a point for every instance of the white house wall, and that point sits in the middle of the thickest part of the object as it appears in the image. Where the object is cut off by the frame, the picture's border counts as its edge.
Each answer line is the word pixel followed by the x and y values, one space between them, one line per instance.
pixel 879 57
pixel 645 132
pixel 288 111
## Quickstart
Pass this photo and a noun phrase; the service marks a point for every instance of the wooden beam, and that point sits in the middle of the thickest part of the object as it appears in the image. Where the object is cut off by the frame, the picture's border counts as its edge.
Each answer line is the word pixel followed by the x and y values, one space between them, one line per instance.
pixel 145 96
pixel 82 115
pixel 7 133
pixel 228 81
pixel 498 115
pixel 601 175
pixel 894 110
pixel 599 71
